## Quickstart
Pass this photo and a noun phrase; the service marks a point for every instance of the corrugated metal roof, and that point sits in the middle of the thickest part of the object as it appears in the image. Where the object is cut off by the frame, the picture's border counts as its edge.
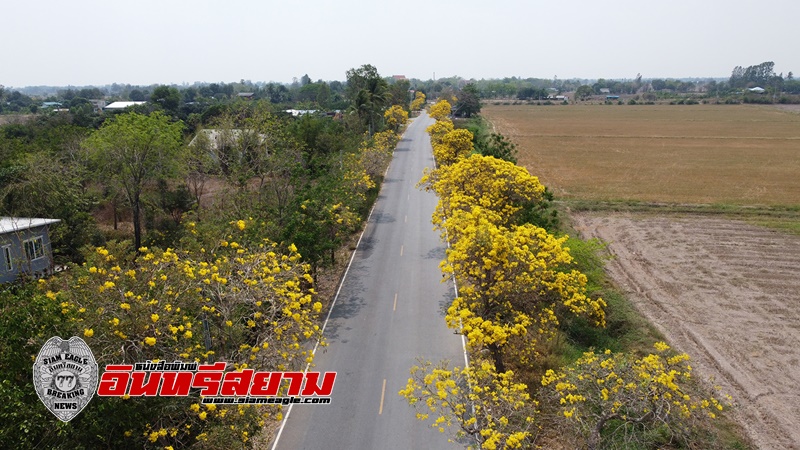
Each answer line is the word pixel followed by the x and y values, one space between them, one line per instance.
pixel 122 105
pixel 11 224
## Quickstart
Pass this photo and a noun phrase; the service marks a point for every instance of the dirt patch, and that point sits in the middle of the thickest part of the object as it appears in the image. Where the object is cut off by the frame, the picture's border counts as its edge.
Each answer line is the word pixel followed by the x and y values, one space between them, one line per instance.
pixel 789 108
pixel 725 292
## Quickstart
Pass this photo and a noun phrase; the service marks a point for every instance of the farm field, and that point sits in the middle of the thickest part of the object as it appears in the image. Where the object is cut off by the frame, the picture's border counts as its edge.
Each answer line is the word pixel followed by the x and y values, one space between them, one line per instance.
pixel 723 290
pixel 698 154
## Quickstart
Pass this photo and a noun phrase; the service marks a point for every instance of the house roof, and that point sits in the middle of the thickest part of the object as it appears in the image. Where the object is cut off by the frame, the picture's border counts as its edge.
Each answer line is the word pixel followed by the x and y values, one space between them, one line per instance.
pixel 300 112
pixel 12 224
pixel 122 105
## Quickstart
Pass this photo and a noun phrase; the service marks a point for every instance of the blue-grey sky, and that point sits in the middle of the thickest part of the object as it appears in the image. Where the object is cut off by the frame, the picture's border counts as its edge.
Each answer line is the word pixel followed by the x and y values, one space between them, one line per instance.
pixel 83 42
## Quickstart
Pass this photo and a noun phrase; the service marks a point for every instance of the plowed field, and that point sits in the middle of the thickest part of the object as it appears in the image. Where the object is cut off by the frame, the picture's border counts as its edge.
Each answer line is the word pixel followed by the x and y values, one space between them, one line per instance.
pixel 725 292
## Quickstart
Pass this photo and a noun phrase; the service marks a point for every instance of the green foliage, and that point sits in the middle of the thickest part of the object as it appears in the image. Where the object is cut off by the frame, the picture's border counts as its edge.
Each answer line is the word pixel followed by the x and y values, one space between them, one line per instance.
pixel 398 93
pixel 532 93
pixel 498 146
pixel 131 150
pixel 27 320
pixel 759 74
pixel 163 217
pixel 368 95
pixel 469 102
pixel 542 213
pixel 166 97
pixel 322 138
pixel 42 174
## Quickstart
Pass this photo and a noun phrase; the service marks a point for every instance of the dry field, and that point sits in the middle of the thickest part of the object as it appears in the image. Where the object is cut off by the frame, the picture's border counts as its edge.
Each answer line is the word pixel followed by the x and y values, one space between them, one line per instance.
pixel 721 154
pixel 724 291
pixel 728 294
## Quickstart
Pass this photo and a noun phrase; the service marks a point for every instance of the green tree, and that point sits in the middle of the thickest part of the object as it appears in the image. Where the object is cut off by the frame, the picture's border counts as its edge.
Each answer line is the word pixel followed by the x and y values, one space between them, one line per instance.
pixel 47 186
pixel 137 95
pixel 168 98
pixel 498 146
pixel 398 93
pixel 132 150
pixel 759 74
pixel 469 101
pixel 368 93
pixel 585 92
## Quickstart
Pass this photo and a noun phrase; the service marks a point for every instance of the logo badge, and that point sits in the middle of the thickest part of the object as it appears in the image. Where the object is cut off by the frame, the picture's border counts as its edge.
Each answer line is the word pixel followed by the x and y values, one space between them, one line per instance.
pixel 65 376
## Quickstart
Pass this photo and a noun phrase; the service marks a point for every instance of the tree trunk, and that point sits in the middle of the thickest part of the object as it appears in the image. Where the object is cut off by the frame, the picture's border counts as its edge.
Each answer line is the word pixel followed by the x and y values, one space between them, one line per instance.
pixel 114 212
pixel 595 438
pixel 498 359
pixel 137 227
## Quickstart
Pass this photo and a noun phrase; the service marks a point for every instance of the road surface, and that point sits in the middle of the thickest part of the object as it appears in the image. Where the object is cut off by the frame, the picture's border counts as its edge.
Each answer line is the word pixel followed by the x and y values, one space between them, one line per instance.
pixel 390 311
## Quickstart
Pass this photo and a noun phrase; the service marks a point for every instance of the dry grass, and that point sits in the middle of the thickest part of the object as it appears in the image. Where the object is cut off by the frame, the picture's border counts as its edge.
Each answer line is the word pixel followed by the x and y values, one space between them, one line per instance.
pixel 720 154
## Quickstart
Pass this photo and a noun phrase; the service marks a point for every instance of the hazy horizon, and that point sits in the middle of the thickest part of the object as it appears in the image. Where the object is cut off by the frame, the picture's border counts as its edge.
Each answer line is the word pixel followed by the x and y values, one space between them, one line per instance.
pixel 97 43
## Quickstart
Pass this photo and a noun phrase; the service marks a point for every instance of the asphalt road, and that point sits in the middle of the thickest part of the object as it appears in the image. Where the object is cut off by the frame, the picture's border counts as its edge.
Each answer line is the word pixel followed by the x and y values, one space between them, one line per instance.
pixel 390 311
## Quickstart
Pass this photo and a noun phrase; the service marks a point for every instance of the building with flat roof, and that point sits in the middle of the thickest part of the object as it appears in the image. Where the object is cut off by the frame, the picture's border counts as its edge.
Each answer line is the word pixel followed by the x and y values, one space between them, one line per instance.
pixel 25 247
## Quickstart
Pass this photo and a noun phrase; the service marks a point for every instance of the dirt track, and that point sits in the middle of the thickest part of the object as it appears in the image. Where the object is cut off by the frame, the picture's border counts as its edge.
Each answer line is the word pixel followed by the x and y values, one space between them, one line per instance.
pixel 725 292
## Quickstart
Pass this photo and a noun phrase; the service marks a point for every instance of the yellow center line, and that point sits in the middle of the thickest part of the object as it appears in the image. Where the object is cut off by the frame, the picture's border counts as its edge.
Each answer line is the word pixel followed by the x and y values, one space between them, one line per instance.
pixel 383 392
pixel 395 302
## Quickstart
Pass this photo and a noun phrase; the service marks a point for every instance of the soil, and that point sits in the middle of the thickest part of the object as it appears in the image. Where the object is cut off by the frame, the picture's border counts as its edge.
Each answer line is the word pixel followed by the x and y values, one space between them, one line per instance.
pixel 728 294
pixel 789 108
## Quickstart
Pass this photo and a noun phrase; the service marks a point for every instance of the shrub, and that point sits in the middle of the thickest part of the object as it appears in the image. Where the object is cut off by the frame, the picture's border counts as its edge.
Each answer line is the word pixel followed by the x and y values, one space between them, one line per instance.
pixel 648 400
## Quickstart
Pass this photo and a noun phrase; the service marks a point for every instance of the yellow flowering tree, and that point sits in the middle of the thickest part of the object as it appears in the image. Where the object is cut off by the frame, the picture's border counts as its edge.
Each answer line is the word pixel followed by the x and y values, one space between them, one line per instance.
pixel 614 392
pixel 502 189
pixel 454 146
pixel 377 152
pixel 418 102
pixel 513 283
pixel 243 301
pixel 395 117
pixel 439 129
pixel 489 407
pixel 440 109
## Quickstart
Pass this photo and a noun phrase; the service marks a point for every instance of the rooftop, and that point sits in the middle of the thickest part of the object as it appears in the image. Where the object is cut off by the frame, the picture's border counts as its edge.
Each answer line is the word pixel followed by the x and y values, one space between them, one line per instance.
pixel 11 224
pixel 123 105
